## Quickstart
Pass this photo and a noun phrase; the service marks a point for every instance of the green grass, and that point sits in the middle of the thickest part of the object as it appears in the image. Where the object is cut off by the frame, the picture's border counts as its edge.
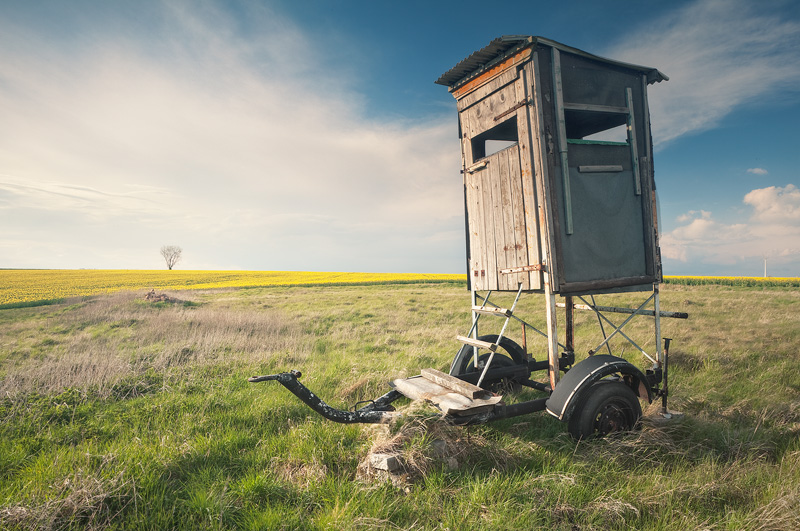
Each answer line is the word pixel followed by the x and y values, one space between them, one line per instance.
pixel 118 413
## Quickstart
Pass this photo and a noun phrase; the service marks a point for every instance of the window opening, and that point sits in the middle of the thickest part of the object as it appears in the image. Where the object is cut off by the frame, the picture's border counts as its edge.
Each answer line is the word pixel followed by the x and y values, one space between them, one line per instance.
pixel 498 138
pixel 596 127
pixel 617 135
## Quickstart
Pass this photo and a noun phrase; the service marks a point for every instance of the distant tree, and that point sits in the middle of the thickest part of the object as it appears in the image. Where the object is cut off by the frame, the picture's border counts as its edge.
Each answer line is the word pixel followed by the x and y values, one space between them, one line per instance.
pixel 171 254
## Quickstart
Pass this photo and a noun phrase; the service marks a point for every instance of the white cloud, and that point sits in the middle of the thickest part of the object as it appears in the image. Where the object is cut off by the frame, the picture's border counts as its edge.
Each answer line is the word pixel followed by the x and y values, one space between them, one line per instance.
pixel 772 230
pixel 247 150
pixel 757 171
pixel 775 204
pixel 692 214
pixel 718 54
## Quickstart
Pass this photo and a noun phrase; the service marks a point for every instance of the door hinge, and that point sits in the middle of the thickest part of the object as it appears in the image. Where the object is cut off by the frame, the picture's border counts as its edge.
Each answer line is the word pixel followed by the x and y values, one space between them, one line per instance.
pixel 516 107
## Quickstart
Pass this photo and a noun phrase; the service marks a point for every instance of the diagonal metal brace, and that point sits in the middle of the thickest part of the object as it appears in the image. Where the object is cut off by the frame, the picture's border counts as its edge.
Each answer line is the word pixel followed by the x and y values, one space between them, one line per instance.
pixel 618 329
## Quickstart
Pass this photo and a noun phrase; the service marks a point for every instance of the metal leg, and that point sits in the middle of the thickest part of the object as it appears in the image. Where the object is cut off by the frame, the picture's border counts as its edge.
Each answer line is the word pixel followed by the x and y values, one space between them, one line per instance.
pixel 657 316
pixel 570 323
pixel 552 335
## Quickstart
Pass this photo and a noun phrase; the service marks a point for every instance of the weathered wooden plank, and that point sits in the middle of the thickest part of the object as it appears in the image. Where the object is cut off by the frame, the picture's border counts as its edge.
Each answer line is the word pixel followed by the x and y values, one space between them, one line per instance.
pixel 521 269
pixel 517 210
pixel 539 218
pixel 529 206
pixel 491 310
pixel 474 204
pixel 509 76
pixel 481 243
pixel 509 242
pixel 498 223
pixel 449 402
pixel 454 384
pixel 477 343
pixel 478 166
pixel 482 114
pixel 491 73
pixel 487 215
pixel 472 220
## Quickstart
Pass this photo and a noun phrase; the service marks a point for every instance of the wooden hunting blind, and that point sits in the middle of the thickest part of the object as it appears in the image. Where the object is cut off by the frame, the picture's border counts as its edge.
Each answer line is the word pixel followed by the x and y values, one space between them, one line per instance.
pixel 559 199
pixel 558 169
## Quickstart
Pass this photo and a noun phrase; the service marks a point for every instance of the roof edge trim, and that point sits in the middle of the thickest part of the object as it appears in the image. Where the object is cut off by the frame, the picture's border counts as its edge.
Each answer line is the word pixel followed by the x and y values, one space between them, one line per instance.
pixel 501 48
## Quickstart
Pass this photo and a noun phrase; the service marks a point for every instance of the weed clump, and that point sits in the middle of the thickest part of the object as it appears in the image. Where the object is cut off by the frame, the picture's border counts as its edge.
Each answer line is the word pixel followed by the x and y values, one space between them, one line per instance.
pixel 422 441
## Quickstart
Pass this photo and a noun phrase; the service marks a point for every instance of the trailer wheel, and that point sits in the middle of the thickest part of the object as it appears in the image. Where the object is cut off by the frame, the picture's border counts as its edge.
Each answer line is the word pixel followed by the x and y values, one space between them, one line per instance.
pixel 464 361
pixel 607 406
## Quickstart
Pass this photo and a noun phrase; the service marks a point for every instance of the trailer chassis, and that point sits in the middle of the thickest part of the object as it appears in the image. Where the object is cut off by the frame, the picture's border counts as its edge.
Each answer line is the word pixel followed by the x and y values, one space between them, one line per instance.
pixel 612 378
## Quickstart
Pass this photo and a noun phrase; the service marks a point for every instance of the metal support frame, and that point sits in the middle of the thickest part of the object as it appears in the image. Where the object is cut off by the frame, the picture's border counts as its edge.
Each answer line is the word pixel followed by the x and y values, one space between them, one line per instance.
pixel 602 328
pixel 656 313
pixel 499 337
pixel 618 329
pixel 473 332
pixel 523 322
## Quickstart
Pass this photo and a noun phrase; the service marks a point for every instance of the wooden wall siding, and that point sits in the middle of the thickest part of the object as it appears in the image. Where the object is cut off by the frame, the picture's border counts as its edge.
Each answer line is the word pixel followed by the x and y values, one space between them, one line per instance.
pixel 497 223
pixel 499 82
pixel 480 116
pixel 527 178
pixel 500 189
pixel 509 65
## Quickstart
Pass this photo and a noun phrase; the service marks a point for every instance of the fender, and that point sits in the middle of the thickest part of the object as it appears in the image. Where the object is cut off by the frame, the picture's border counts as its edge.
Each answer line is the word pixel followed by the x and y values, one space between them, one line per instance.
pixel 580 377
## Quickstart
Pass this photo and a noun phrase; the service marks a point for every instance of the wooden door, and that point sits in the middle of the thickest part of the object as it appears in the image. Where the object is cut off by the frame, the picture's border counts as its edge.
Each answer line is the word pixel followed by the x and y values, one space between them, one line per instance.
pixel 499 184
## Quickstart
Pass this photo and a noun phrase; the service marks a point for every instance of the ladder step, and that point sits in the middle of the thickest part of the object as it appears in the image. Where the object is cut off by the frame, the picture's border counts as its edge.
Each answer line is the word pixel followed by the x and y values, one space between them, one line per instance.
pixel 503 312
pixel 477 343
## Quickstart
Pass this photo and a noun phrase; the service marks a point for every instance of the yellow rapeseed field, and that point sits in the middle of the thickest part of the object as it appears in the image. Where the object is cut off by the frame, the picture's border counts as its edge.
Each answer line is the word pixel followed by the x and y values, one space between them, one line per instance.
pixel 735 281
pixel 20 286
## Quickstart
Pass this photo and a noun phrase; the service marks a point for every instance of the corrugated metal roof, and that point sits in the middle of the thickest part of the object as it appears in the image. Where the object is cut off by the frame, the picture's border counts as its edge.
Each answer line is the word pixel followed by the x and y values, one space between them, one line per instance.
pixel 507 45
pixel 480 60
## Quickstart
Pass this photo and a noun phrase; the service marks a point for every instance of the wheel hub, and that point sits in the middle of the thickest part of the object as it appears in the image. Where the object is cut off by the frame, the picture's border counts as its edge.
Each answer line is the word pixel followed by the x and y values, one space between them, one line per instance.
pixel 611 419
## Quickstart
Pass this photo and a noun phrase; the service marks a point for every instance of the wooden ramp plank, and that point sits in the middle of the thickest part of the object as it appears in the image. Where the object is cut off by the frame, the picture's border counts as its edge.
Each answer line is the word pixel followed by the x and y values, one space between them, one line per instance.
pixel 454 384
pixel 477 343
pixel 449 401
pixel 504 312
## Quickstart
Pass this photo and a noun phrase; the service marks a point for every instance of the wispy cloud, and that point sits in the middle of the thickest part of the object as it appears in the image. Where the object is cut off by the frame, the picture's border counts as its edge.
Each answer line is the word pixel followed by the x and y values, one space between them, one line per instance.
pixel 757 171
pixel 200 133
pixel 718 54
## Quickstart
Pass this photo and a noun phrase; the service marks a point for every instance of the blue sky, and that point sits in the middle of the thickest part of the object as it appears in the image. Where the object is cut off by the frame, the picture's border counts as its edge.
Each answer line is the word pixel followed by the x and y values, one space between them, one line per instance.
pixel 309 135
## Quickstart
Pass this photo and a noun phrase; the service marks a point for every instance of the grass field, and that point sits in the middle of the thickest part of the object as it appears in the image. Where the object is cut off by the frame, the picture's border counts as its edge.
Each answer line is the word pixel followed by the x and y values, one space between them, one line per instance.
pixel 118 412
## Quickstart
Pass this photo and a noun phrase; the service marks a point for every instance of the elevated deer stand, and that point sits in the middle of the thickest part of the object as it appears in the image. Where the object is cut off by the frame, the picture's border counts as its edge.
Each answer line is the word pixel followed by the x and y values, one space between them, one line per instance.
pixel 559 201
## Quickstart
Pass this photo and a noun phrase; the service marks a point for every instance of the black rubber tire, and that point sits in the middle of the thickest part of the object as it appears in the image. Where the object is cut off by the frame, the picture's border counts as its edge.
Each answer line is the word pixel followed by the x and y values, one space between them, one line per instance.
pixel 463 362
pixel 607 406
